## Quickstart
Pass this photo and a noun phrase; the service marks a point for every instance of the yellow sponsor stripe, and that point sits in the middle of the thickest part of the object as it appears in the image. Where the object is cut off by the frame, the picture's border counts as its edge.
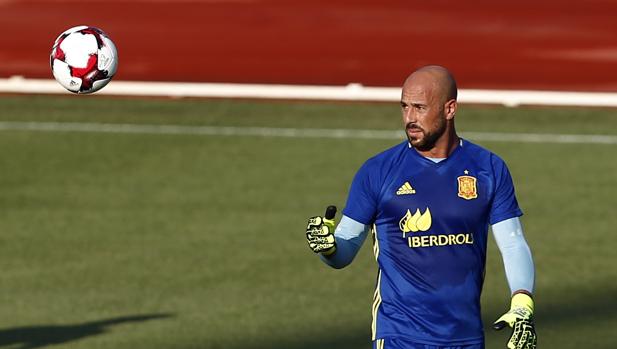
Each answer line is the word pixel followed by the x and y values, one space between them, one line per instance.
pixel 375 250
pixel 375 242
pixel 376 304
pixel 377 295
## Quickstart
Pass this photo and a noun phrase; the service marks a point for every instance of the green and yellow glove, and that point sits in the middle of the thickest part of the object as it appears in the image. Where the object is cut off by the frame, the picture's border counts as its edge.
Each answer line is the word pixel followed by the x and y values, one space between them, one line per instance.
pixel 520 319
pixel 320 233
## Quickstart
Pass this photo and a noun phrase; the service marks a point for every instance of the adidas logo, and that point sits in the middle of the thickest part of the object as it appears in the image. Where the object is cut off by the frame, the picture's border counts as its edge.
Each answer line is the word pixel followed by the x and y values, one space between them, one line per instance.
pixel 405 189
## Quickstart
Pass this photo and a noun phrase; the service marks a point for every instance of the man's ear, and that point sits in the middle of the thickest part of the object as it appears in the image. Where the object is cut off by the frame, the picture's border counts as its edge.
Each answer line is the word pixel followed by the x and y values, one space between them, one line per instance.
pixel 450 109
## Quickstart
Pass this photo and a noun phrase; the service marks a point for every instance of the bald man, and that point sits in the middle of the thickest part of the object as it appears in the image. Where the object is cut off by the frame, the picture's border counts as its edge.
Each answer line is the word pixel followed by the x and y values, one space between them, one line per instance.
pixel 429 202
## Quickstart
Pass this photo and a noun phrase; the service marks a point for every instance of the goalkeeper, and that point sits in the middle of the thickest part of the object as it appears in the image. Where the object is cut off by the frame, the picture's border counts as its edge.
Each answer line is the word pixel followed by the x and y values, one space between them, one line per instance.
pixel 429 202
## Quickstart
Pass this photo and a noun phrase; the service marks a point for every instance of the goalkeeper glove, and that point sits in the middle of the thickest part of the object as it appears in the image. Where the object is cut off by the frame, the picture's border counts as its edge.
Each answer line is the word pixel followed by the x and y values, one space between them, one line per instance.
pixel 320 233
pixel 520 319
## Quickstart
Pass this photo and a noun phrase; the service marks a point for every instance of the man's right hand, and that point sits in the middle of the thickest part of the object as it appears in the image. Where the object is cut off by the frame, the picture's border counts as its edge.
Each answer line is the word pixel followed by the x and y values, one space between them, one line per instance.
pixel 320 233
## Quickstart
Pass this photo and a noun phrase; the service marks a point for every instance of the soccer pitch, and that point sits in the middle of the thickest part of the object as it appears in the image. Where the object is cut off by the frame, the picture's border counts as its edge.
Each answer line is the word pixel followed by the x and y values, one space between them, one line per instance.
pixel 138 238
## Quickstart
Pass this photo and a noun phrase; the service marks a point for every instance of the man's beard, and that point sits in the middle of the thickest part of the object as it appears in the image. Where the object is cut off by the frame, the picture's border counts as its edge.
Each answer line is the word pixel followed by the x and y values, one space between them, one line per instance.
pixel 427 142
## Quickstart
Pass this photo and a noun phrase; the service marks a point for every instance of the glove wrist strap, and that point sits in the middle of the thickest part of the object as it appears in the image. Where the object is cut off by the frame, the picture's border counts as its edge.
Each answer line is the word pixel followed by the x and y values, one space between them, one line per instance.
pixel 329 251
pixel 522 300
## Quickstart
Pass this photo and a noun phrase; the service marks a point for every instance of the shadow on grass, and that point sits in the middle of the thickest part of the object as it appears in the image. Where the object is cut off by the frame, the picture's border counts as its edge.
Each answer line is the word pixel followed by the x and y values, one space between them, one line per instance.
pixel 561 315
pixel 571 315
pixel 40 336
pixel 352 338
pixel 576 308
pixel 565 310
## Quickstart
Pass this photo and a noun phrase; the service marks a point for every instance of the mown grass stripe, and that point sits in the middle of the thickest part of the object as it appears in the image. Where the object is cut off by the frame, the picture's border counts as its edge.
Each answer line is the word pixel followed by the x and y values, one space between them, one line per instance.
pixel 294 132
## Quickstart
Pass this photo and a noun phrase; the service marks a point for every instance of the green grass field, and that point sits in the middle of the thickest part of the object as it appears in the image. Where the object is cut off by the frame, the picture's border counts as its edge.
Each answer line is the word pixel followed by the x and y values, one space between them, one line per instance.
pixel 189 241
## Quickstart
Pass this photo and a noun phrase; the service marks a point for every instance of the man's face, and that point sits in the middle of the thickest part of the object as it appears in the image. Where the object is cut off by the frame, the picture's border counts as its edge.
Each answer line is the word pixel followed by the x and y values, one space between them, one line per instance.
pixel 423 113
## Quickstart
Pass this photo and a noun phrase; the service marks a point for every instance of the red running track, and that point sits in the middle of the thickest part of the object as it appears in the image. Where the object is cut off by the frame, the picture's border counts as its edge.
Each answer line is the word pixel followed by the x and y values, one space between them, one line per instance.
pixel 540 44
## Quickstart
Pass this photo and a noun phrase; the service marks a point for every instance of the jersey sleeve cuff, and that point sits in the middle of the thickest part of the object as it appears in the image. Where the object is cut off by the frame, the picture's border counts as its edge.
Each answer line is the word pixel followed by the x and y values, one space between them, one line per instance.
pixel 504 216
pixel 357 218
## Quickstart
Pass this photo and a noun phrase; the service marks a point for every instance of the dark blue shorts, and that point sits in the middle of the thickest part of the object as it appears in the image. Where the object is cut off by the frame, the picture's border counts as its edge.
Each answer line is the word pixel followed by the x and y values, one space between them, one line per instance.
pixel 400 343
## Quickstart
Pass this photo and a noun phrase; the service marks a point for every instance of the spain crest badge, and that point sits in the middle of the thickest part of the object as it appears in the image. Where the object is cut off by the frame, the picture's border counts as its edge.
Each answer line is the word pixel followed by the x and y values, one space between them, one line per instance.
pixel 467 187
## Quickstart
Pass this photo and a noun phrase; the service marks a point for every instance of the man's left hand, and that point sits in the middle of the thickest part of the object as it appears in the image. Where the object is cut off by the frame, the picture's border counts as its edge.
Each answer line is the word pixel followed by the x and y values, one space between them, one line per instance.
pixel 520 319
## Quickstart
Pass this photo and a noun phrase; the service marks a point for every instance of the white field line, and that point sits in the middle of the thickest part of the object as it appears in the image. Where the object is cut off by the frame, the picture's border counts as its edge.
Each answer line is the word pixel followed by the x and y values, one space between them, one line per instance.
pixel 293 132
pixel 351 92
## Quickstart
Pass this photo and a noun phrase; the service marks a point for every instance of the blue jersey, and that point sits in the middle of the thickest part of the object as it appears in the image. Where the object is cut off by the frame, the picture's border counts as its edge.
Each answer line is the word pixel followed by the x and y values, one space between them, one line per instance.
pixel 430 225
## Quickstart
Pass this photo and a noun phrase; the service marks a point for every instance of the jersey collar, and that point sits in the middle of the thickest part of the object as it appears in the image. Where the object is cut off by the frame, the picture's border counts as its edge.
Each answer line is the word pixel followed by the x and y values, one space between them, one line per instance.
pixel 425 160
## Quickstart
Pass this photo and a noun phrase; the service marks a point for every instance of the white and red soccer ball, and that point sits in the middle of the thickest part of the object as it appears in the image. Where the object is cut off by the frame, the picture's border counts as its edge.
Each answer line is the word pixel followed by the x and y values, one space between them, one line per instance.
pixel 83 59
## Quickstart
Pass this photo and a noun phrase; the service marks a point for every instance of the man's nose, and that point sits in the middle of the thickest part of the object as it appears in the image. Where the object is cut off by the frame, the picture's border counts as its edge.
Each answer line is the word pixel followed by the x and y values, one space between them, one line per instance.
pixel 409 115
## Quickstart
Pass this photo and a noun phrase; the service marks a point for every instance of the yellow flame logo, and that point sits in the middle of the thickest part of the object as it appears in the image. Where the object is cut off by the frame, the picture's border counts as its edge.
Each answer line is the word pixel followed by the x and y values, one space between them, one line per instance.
pixel 416 222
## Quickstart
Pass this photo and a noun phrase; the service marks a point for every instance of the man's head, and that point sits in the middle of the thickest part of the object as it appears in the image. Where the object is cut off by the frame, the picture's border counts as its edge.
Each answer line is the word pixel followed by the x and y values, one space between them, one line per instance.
pixel 428 104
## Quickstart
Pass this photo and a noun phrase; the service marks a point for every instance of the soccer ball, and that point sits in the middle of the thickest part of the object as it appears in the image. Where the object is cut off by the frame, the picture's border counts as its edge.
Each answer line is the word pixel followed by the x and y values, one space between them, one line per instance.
pixel 83 59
